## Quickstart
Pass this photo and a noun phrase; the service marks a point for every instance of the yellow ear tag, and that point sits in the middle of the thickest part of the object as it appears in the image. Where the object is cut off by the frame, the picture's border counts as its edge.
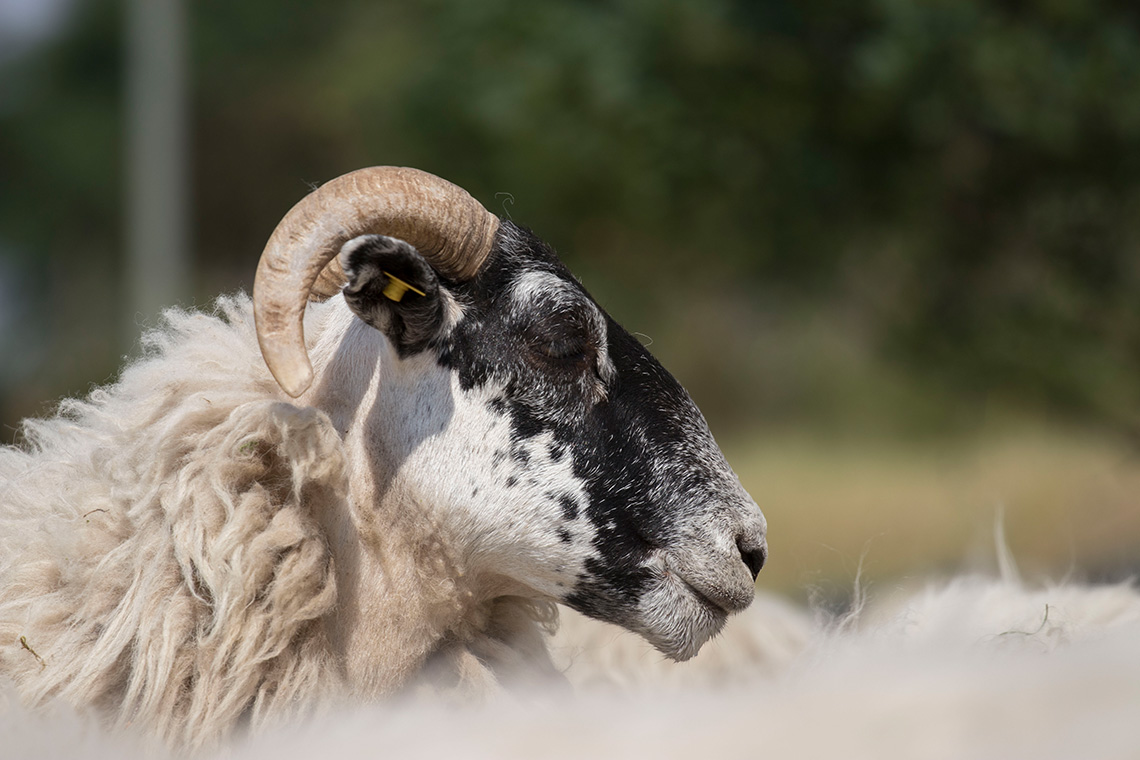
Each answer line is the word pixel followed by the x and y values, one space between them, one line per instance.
pixel 396 288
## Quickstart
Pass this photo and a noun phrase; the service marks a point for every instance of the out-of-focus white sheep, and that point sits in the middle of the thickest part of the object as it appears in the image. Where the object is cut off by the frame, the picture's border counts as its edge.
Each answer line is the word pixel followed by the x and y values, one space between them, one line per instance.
pixel 972 668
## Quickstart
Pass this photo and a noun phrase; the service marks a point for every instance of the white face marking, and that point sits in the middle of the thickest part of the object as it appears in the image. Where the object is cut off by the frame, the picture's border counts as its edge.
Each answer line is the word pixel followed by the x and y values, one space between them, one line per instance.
pixel 515 509
pixel 517 505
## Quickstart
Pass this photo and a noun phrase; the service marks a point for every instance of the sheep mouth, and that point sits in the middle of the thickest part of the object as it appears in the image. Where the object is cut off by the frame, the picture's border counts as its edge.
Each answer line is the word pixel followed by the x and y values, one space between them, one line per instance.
pixel 683 638
pixel 726 592
pixel 677 616
pixel 711 604
pixel 683 601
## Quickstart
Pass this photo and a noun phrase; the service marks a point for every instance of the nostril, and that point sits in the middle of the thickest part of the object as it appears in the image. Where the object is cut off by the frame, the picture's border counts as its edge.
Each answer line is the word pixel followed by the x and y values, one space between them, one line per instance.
pixel 753 558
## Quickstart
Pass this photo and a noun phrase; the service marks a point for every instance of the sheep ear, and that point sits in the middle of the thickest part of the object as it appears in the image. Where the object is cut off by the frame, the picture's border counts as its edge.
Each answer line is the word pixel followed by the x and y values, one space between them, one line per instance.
pixel 393 288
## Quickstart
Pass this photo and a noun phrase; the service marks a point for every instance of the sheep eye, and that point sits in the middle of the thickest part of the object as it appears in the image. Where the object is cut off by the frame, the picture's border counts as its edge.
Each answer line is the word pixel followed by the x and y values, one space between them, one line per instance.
pixel 560 339
pixel 565 348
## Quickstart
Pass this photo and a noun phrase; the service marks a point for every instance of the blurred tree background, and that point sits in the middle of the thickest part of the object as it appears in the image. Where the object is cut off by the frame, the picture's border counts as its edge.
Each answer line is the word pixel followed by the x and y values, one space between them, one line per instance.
pixel 895 218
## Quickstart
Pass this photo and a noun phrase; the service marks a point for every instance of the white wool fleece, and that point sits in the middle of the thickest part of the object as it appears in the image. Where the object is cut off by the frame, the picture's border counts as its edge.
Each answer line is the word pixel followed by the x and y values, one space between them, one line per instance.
pixel 169 554
pixel 159 555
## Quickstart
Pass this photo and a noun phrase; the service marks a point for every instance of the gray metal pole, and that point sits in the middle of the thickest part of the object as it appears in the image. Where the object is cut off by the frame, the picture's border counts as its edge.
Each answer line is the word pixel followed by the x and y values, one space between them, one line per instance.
pixel 158 269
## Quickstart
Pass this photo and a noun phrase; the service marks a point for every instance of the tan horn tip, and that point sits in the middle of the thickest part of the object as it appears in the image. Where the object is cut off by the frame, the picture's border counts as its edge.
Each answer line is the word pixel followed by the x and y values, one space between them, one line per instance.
pixel 294 376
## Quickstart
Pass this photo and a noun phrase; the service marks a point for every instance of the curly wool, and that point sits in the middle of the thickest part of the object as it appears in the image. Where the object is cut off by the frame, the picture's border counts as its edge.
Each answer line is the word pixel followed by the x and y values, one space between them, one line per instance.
pixel 160 558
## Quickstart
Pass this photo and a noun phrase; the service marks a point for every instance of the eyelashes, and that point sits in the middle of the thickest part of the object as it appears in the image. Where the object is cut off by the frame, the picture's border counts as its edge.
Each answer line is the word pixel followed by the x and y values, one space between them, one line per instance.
pixel 565 337
pixel 565 347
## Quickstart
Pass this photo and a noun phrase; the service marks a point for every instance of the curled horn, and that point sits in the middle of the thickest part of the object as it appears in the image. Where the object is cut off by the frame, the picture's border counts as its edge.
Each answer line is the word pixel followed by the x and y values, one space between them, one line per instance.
pixel 447 226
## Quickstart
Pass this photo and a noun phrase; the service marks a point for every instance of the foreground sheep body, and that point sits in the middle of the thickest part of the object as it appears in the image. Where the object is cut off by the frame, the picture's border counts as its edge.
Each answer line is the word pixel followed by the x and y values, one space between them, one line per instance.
pixel 189 550
pixel 969 669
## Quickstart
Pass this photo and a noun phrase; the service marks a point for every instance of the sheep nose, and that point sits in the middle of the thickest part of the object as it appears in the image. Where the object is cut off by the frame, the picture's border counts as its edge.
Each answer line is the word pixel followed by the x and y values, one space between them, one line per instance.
pixel 754 557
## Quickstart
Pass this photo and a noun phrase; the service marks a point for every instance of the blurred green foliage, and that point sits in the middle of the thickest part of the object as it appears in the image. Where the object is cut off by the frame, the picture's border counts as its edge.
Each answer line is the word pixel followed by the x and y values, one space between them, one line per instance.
pixel 821 210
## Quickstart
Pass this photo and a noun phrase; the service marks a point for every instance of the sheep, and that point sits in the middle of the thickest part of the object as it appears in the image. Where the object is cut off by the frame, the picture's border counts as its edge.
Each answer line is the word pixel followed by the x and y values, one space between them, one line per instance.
pixel 442 436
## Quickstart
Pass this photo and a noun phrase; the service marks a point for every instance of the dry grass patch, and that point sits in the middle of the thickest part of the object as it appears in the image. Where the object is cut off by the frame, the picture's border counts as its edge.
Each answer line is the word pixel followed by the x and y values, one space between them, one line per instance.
pixel 1070 502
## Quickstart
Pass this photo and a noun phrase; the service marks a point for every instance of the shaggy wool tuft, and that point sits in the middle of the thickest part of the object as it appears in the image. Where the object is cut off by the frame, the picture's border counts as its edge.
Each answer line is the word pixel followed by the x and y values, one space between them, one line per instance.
pixel 164 528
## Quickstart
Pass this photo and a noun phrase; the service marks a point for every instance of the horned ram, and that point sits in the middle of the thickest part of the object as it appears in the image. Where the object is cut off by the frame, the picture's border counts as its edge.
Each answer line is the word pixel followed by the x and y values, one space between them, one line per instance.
pixel 447 436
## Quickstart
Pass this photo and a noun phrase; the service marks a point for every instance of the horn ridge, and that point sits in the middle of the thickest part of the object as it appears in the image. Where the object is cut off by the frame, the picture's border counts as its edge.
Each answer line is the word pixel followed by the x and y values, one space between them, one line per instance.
pixel 449 228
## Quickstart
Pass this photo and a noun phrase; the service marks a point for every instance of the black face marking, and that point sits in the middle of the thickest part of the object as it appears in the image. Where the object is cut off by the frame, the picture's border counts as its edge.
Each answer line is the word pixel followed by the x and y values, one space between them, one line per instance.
pixel 524 423
pixel 567 502
pixel 569 506
pixel 633 436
